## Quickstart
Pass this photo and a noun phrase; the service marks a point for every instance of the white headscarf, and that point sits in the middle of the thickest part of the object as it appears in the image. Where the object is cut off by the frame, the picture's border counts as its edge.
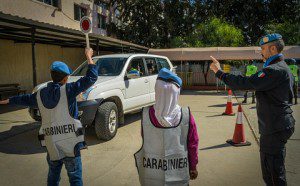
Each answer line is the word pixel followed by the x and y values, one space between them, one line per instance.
pixel 167 111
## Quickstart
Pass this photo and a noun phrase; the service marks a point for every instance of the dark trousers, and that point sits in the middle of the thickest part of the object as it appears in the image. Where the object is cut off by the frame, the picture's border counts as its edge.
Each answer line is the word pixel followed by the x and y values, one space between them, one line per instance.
pixel 246 96
pixel 272 156
pixel 295 89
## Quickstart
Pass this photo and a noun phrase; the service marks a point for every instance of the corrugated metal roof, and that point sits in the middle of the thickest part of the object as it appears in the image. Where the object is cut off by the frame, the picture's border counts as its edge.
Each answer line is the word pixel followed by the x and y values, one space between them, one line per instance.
pixel 223 53
pixel 18 28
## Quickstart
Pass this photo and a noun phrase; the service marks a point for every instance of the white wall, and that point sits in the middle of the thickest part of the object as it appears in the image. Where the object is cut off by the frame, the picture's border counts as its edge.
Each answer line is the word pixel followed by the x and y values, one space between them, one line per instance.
pixel 38 11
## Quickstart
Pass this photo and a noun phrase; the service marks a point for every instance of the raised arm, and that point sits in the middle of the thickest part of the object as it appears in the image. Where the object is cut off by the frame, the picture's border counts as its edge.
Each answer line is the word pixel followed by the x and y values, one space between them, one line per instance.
pixel 88 80
pixel 261 81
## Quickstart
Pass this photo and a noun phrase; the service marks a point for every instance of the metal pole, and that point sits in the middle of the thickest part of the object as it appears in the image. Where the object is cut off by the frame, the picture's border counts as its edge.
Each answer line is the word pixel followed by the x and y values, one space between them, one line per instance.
pixel 87 40
pixel 33 57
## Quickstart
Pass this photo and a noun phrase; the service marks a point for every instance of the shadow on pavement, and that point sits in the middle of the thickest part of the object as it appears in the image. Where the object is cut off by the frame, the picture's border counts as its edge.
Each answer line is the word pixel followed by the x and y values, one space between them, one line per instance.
pixel 22 139
pixel 216 115
pixel 10 108
pixel 18 129
pixel 90 134
pixel 222 105
pixel 91 137
pixel 216 146
pixel 210 93
pixel 132 117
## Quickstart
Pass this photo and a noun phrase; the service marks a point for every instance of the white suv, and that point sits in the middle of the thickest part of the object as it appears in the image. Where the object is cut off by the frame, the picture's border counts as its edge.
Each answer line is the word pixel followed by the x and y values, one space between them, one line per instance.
pixel 117 91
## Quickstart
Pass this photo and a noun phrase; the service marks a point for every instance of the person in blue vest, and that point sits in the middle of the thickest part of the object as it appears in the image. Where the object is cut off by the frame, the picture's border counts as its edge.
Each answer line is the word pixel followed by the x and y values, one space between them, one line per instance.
pixel 61 132
pixel 274 94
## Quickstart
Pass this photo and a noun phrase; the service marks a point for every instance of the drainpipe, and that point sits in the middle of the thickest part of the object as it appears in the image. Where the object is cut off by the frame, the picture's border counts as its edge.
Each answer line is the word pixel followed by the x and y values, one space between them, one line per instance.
pixel 33 56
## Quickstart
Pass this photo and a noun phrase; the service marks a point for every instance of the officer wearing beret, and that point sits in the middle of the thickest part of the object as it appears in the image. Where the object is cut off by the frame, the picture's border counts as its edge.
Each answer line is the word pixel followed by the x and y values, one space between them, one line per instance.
pixel 274 93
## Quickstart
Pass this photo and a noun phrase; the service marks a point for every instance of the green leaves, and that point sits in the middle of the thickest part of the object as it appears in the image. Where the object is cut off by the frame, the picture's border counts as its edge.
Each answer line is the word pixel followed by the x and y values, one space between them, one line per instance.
pixel 190 23
pixel 211 33
pixel 290 31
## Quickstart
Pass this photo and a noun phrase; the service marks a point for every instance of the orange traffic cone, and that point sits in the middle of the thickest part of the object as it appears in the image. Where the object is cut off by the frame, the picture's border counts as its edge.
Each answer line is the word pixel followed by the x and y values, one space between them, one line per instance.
pixel 228 110
pixel 239 135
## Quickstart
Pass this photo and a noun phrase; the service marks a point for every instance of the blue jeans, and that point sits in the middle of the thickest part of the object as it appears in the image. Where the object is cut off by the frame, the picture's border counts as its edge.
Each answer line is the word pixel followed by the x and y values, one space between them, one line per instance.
pixel 73 167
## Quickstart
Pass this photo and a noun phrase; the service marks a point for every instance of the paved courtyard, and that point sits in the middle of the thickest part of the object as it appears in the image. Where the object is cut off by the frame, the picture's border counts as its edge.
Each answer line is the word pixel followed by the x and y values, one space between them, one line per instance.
pixel 22 160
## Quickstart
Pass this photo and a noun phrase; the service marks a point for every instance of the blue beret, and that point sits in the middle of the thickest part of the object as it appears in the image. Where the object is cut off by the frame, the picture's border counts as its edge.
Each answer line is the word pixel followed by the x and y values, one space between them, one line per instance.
pixel 59 66
pixel 168 76
pixel 269 38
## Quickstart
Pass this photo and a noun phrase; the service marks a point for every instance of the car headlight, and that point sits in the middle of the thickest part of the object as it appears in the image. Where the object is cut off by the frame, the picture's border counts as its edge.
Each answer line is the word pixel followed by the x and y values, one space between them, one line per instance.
pixel 83 96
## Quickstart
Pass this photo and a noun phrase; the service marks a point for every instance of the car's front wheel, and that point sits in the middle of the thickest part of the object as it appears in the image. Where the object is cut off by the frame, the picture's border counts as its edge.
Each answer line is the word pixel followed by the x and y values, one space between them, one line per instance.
pixel 106 121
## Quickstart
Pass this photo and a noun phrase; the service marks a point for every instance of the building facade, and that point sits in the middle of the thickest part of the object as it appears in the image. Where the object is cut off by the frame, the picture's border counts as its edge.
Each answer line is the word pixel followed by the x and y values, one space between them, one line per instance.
pixel 65 13
pixel 34 33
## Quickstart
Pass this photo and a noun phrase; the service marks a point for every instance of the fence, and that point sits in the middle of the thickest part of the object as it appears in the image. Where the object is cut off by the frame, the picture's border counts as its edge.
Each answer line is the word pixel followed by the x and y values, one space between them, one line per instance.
pixel 192 74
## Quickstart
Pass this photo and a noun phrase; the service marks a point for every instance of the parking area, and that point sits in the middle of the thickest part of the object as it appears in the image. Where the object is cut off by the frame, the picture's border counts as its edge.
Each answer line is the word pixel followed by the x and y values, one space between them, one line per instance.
pixel 112 162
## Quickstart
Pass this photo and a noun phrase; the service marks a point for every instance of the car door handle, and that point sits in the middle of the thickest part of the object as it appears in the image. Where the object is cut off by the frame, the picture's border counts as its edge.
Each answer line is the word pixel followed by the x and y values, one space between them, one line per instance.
pixel 146 81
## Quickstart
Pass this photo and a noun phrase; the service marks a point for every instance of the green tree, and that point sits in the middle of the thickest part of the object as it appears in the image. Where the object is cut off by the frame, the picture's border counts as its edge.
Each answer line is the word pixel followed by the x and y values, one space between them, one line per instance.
pixel 163 23
pixel 153 23
pixel 178 18
pixel 289 31
pixel 140 20
pixel 249 16
pixel 214 32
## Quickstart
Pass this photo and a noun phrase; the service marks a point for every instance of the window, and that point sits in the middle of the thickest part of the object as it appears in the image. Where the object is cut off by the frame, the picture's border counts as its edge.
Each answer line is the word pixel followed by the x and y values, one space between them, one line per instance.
pixel 162 63
pixel 106 67
pixel 151 66
pixel 50 2
pixel 101 4
pixel 79 12
pixel 110 66
pixel 101 21
pixel 137 64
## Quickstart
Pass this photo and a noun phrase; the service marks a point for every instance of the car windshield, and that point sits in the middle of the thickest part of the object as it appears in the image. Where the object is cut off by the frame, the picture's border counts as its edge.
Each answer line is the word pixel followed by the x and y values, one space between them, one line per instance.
pixel 105 66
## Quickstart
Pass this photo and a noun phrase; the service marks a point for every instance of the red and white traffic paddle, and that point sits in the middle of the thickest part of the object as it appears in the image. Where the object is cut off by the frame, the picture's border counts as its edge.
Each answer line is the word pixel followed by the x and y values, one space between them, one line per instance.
pixel 85 26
